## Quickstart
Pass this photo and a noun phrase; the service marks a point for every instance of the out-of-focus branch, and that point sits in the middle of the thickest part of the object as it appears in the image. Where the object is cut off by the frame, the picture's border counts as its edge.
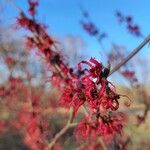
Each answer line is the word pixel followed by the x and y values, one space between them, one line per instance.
pixel 134 52
pixel 63 130
pixel 100 140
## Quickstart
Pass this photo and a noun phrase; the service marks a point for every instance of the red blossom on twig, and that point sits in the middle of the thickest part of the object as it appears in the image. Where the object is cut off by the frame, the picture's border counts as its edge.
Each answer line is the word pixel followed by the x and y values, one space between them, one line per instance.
pixel 128 21
pixel 32 7
pixel 85 85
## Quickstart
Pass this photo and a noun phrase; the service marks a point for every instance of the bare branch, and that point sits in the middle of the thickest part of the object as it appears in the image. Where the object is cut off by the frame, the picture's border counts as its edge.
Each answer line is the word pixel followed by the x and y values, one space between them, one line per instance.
pixel 63 130
pixel 134 52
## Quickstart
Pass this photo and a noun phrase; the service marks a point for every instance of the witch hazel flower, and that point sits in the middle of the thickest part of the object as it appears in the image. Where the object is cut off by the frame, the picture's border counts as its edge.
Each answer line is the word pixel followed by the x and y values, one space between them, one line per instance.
pixel 99 94
pixel 130 25
pixel 45 44
pixel 131 76
pixel 80 86
pixel 95 68
pixel 92 88
pixel 32 7
pixel 105 126
pixel 100 89
pixel 91 28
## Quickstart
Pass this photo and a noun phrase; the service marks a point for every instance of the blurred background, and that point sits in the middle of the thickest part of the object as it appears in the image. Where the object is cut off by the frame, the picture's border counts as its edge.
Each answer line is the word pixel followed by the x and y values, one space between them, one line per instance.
pixel 107 30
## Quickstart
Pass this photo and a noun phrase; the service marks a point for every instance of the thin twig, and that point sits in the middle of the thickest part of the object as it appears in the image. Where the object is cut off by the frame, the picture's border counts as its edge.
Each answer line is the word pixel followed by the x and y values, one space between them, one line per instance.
pixel 100 140
pixel 134 52
pixel 63 130
pixel 85 110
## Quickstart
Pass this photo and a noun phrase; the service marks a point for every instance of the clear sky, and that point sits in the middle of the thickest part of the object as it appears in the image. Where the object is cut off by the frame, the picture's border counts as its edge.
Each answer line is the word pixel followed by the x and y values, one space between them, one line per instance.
pixel 63 16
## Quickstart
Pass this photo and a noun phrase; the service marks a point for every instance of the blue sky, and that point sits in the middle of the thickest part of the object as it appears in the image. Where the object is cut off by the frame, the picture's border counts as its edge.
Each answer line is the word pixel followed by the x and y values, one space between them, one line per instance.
pixel 63 16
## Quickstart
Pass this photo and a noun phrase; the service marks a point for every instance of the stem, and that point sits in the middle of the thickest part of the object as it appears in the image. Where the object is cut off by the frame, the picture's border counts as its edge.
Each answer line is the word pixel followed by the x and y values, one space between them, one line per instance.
pixel 63 130
pixel 100 140
pixel 134 52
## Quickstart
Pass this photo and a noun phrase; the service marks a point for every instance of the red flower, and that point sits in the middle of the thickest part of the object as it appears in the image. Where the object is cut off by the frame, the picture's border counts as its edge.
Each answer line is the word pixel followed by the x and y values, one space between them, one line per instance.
pixel 2 91
pixel 32 6
pixel 9 60
pixel 106 126
pixel 83 130
pixel 90 28
pixel 128 74
pixel 134 29
pixel 72 97
pixel 67 95
pixel 110 104
pixel 2 126
pixel 30 42
pixel 95 68
pixel 128 20
pixel 23 21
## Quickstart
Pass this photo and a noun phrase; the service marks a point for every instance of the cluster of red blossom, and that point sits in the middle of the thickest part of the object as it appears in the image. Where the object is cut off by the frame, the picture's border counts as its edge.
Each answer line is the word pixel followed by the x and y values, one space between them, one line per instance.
pixel 32 7
pixel 113 57
pixel 91 28
pixel 9 61
pixel 27 109
pixel 34 126
pixel 103 125
pixel 128 21
pixel 79 87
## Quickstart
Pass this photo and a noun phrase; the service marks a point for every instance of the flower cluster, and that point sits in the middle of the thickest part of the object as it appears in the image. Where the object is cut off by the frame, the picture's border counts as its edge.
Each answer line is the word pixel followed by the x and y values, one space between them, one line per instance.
pixel 24 107
pixel 105 126
pixel 46 46
pixel 92 87
pixel 35 127
pixel 128 21
pixel 130 75
pixel 32 7
pixel 91 28
pixel 80 86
